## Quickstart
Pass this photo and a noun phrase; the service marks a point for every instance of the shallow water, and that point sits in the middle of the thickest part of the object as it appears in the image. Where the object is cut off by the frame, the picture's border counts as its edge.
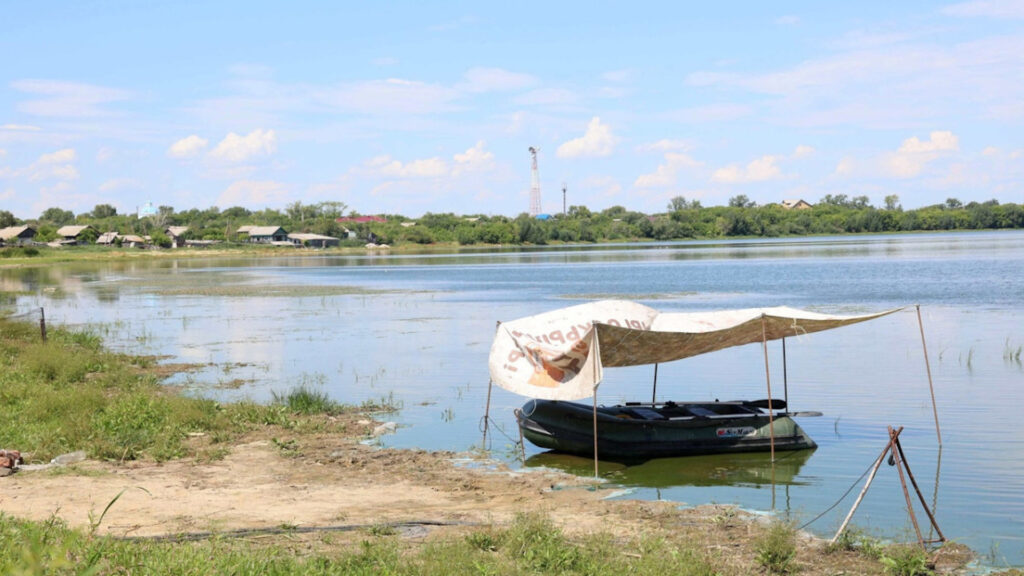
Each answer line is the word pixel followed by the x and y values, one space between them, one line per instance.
pixel 419 327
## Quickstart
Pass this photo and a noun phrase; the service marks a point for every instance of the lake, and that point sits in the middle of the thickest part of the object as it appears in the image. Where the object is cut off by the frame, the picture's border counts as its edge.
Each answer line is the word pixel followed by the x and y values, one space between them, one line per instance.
pixel 417 328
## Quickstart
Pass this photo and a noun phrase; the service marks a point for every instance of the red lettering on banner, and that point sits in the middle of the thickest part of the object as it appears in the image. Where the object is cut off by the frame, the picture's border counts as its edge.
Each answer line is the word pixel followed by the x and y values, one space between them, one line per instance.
pixel 557 337
pixel 613 322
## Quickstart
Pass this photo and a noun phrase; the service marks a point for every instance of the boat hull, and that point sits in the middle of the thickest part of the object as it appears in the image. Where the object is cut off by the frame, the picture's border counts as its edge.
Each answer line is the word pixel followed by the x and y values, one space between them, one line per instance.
pixel 624 433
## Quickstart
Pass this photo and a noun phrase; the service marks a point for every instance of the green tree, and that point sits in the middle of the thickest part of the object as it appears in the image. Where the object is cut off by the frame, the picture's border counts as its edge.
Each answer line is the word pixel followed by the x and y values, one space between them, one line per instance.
pixel 103 211
pixel 953 203
pixel 681 203
pixel 892 202
pixel 741 201
pixel 57 216
pixel 7 219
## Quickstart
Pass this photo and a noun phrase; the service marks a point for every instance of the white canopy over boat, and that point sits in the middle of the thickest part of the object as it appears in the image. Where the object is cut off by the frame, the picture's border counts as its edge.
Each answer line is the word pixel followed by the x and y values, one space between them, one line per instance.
pixel 560 355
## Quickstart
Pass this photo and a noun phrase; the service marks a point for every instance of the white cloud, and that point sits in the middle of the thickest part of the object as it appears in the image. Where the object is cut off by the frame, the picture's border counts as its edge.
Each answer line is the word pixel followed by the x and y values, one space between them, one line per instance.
pixel 723 112
pixel 391 96
pixel 20 128
pixel 189 147
pixel 253 193
pixel 547 97
pixel 475 159
pixel 667 173
pixel 53 166
pixel 914 154
pixel 104 154
pixel 255 144
pixel 847 166
pixel 759 170
pixel 496 80
pixel 938 141
pixel 895 84
pixel 597 141
pixel 617 76
pixel 908 161
pixel 67 99
pixel 666 145
pixel 803 151
pixel 991 8
pixel 116 184
pixel 387 167
pixel 385 61
pixel 7 194
pixel 58 157
pixel 788 20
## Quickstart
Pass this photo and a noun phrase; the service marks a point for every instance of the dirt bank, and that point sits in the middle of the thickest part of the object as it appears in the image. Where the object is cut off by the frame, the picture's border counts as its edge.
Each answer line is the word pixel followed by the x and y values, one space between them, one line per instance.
pixel 279 479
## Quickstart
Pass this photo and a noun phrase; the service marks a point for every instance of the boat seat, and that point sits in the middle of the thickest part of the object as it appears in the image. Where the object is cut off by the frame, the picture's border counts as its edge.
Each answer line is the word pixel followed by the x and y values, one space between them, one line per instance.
pixel 647 414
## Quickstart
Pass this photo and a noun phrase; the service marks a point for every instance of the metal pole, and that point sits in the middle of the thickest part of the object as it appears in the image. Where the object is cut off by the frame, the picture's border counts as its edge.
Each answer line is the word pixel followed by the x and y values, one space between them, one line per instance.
pixel 928 366
pixel 595 434
pixel 768 380
pixel 785 376
pixel 487 415
pixel 42 323
pixel 654 391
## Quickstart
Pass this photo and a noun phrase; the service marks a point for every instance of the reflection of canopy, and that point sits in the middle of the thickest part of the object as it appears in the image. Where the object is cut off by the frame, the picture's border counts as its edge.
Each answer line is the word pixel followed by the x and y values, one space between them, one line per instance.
pixel 560 355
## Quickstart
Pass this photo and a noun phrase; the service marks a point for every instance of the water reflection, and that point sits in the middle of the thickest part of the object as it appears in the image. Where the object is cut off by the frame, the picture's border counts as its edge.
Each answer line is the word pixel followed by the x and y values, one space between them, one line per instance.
pixel 743 469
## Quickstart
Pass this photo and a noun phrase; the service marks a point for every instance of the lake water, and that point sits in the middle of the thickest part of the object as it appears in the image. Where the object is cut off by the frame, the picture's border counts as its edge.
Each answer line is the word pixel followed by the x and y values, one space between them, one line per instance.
pixel 418 328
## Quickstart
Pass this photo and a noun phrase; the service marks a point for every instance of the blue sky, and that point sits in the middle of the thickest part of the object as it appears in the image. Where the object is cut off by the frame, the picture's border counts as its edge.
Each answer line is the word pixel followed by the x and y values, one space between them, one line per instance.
pixel 430 107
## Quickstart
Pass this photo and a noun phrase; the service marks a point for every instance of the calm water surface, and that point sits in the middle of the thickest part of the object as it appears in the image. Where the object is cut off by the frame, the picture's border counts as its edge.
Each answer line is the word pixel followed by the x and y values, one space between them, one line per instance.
pixel 419 327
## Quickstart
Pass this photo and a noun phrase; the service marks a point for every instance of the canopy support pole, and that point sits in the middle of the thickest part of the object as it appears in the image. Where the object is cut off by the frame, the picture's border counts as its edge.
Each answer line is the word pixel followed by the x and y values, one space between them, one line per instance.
pixel 654 390
pixel 768 380
pixel 928 366
pixel 596 350
pixel 487 414
pixel 487 407
pixel 785 376
pixel 595 434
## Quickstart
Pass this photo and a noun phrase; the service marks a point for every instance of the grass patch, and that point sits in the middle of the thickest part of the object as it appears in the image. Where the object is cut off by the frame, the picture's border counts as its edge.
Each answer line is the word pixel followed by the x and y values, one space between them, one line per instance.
pixel 531 544
pixel 71 394
pixel 776 549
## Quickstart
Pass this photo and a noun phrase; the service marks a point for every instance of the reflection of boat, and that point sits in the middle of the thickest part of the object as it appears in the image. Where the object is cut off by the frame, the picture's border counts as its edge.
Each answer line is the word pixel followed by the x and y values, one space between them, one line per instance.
pixel 636 432
pixel 560 356
pixel 743 469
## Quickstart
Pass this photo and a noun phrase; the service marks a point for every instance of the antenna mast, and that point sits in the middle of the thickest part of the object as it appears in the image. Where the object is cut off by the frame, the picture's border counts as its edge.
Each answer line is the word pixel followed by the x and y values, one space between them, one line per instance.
pixel 534 184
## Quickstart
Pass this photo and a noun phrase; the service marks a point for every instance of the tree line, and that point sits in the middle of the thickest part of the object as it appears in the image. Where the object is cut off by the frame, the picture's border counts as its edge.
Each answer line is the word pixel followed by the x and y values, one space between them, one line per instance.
pixel 683 219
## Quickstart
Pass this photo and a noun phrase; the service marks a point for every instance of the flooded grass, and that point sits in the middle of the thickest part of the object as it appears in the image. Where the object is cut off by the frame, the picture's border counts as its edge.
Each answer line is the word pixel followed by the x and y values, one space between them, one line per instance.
pixel 71 394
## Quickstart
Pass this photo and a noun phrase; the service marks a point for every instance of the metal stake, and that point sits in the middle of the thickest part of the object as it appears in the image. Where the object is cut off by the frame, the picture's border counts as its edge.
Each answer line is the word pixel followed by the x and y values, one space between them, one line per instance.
pixel 42 323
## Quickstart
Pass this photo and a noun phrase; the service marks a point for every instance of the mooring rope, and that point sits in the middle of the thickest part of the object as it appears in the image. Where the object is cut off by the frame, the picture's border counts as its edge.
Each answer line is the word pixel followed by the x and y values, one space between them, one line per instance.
pixel 841 498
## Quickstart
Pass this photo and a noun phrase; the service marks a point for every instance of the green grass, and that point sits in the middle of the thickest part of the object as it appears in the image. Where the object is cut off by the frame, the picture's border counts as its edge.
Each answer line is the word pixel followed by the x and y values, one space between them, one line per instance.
pixel 531 544
pixel 71 394
pixel 776 549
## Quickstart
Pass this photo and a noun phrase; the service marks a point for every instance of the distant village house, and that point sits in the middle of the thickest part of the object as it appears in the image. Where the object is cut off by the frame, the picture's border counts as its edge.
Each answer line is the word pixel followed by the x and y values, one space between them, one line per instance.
pixel 17 235
pixel 71 235
pixel 796 205
pixel 264 234
pixel 313 240
pixel 177 235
